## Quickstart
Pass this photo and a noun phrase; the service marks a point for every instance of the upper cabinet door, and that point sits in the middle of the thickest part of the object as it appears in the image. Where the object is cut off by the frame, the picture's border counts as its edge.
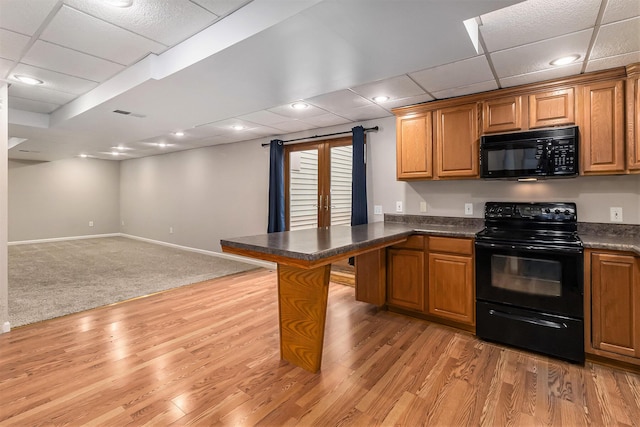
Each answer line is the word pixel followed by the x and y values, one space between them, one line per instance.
pixel 602 128
pixel 633 124
pixel 414 142
pixel 502 115
pixel 457 142
pixel 552 108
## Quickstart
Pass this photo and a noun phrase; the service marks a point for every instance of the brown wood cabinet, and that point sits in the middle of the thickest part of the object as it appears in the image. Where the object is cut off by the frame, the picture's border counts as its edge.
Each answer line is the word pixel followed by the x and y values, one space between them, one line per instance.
pixel 414 147
pixel 371 277
pixel 451 286
pixel 633 118
pixel 457 142
pixel 502 115
pixel 406 273
pixel 602 137
pixel 552 108
pixel 612 287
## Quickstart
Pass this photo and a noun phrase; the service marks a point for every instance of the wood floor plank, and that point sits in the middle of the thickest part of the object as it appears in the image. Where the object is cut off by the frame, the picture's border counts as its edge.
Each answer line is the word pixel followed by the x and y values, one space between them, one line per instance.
pixel 208 354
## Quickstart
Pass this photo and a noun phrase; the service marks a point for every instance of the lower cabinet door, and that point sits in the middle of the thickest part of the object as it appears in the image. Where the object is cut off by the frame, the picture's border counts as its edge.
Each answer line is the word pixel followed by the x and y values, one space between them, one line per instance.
pixel 405 278
pixel 451 287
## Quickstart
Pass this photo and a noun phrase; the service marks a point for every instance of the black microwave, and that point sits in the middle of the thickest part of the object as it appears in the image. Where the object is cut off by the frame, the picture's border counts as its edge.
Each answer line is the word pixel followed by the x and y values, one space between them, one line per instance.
pixel 542 153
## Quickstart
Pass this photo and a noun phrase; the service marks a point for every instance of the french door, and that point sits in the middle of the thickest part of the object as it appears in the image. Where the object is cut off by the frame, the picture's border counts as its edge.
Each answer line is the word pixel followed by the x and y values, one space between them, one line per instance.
pixel 318 183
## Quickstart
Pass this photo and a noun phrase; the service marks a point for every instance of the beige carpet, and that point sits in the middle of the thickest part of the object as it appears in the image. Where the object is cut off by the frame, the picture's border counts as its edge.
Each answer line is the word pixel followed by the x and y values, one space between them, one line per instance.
pixel 48 280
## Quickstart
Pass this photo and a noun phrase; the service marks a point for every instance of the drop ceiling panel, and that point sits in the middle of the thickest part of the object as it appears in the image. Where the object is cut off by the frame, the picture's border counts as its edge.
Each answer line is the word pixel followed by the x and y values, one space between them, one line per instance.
pixel 613 61
pixel 25 16
pixel 221 7
pixel 56 81
pixel 394 88
pixel 12 44
pixel 535 20
pixel 293 126
pixel 5 66
pixel 99 38
pixel 618 10
pixel 30 105
pixel 264 117
pixel 339 100
pixel 403 102
pixel 539 76
pixel 42 94
pixel 166 21
pixel 290 112
pixel 325 120
pixel 617 38
pixel 57 58
pixel 364 113
pixel 456 74
pixel 537 56
pixel 466 90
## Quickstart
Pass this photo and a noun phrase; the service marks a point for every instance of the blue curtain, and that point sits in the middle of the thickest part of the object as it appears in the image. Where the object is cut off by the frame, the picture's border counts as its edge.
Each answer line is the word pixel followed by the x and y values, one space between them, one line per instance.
pixel 359 177
pixel 276 187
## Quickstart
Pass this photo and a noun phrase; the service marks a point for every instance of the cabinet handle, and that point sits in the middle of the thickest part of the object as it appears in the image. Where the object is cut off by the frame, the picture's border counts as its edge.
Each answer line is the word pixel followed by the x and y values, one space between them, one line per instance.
pixel 326 205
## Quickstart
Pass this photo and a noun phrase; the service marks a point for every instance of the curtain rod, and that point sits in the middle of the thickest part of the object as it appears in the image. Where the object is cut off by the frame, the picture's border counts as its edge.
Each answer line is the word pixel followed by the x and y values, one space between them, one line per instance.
pixel 375 128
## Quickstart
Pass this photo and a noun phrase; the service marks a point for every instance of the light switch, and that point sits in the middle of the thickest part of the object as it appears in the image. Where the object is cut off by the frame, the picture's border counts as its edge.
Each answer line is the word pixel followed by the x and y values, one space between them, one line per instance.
pixel 468 208
pixel 398 206
pixel 377 209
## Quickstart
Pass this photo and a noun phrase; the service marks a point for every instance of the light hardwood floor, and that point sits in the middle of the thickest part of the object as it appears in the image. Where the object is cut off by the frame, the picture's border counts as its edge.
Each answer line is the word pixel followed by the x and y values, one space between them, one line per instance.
pixel 208 354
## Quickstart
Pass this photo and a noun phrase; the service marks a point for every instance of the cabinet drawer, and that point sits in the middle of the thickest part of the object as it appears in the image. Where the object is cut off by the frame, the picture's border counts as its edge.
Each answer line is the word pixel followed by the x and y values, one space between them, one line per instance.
pixel 451 244
pixel 413 242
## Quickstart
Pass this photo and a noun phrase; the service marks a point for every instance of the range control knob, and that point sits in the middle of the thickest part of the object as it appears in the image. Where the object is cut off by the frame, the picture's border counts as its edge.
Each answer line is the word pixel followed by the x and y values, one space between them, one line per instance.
pixel 557 211
pixel 567 212
pixel 547 210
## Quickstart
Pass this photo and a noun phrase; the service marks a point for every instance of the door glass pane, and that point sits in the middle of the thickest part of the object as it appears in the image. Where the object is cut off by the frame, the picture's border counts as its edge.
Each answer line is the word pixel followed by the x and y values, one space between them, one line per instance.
pixel 303 189
pixel 341 160
pixel 527 275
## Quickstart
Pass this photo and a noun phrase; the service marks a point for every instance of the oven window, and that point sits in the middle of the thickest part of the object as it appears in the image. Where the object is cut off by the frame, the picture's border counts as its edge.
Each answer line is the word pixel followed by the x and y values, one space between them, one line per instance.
pixel 512 159
pixel 527 275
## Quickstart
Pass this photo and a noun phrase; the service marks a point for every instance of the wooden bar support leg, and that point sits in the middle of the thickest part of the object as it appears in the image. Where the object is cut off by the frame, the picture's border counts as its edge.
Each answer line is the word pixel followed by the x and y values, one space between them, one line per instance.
pixel 302 301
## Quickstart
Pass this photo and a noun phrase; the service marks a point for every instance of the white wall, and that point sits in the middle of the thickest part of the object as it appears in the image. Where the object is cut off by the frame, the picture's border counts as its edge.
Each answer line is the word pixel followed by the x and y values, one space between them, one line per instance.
pixel 4 277
pixel 204 194
pixel 58 199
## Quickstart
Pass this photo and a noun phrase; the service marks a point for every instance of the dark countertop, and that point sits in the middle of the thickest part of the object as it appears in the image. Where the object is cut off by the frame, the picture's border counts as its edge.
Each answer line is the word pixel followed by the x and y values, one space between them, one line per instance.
pixel 320 243
pixel 616 237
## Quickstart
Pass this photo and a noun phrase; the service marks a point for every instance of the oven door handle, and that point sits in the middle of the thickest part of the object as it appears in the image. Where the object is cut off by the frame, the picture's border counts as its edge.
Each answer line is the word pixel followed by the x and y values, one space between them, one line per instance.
pixel 531 248
pixel 532 320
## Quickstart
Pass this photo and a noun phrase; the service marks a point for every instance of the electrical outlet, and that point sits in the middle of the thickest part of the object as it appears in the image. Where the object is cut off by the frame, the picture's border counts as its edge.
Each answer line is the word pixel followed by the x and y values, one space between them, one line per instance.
pixel 468 208
pixel 615 214
pixel 423 207
pixel 377 209
pixel 90 223
pixel 398 206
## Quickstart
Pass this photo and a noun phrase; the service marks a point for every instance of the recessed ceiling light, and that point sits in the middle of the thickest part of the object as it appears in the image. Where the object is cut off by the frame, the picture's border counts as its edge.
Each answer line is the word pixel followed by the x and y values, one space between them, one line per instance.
pixel 565 60
pixel 84 156
pixel 115 153
pixel 381 98
pixel 27 79
pixel 162 144
pixel 237 127
pixel 178 133
pixel 120 147
pixel 119 3
pixel 299 105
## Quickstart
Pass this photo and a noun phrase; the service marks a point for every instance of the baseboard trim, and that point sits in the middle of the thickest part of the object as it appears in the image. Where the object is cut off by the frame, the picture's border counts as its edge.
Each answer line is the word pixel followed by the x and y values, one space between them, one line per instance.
pixel 62 239
pixel 264 264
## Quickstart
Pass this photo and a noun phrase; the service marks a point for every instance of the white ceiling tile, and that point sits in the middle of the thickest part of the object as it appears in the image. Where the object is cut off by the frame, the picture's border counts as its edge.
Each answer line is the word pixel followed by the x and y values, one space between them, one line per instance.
pixel 339 100
pixel 466 90
pixel 326 120
pixel 534 20
pixel 456 74
pixel 394 88
pixel 99 39
pixel 395 103
pixel 12 44
pixel 287 111
pixel 57 58
pixel 264 117
pixel 165 21
pixel 5 66
pixel 539 76
pixel 537 56
pixel 221 7
pixel 618 10
pixel 294 126
pixel 30 105
pixel 368 112
pixel 25 16
pixel 262 131
pixel 613 61
pixel 56 81
pixel 38 93
pixel 617 38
